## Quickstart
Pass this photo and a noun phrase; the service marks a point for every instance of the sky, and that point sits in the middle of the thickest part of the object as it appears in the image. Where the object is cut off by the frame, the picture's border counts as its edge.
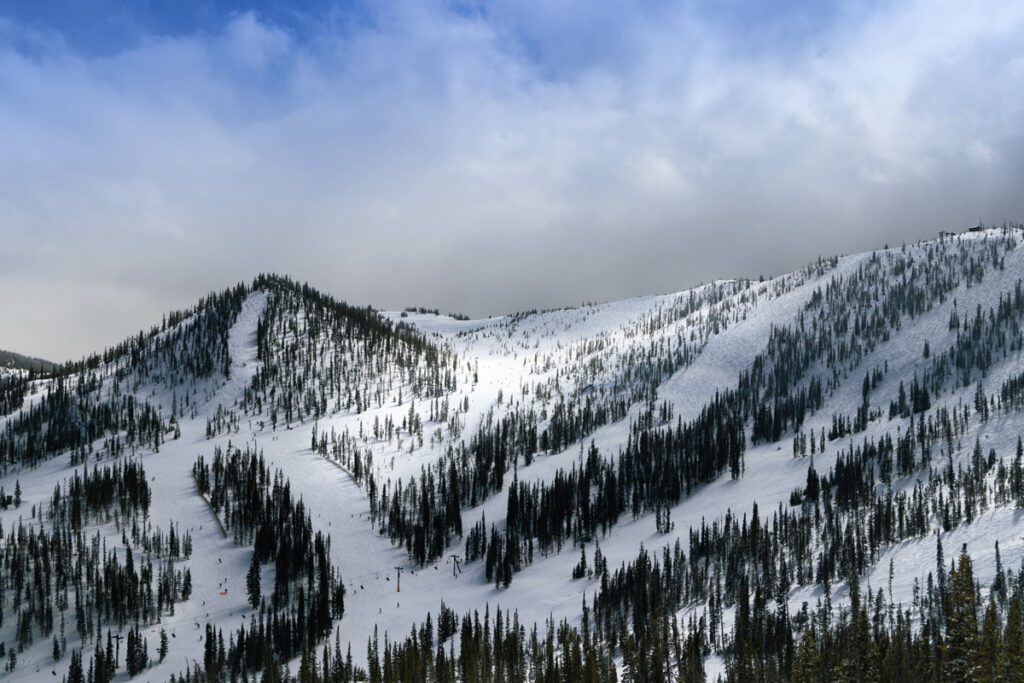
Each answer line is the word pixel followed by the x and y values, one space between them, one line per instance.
pixel 480 157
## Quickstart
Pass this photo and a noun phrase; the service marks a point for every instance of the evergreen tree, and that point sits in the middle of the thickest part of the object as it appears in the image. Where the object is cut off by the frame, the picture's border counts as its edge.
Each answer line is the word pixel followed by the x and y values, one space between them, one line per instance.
pixel 252 582
pixel 1012 659
pixel 990 648
pixel 75 672
pixel 808 662
pixel 962 647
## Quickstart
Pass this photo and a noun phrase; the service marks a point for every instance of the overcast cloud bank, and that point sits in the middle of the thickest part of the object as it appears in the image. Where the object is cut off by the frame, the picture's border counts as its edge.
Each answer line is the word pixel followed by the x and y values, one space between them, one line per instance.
pixel 488 160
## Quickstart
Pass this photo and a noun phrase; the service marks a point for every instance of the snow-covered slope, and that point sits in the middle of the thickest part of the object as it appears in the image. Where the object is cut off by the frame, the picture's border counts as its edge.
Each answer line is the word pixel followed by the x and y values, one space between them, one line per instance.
pixel 345 428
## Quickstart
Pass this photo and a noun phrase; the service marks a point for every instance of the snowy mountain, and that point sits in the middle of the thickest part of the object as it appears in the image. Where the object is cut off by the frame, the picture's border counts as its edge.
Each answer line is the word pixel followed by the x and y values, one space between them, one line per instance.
pixel 15 361
pixel 752 479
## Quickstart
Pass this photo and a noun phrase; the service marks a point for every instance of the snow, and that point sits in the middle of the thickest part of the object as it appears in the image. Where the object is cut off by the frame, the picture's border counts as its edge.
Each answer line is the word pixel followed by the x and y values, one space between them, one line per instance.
pixel 504 349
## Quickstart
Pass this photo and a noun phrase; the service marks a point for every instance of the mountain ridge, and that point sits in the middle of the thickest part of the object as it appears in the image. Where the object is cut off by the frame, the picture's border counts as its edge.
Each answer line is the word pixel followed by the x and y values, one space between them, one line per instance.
pixel 604 455
pixel 16 361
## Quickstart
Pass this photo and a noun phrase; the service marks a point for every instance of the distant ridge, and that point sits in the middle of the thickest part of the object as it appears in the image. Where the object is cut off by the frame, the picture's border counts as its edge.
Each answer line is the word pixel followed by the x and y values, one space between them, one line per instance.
pixel 16 361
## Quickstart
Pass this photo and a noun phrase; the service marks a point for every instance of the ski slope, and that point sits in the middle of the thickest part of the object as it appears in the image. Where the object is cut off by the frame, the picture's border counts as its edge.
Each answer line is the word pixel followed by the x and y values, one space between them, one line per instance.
pixel 509 353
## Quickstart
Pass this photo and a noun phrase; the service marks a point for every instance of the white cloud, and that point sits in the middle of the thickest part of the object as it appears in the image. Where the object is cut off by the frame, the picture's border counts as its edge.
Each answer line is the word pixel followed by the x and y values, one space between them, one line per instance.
pixel 398 161
pixel 254 44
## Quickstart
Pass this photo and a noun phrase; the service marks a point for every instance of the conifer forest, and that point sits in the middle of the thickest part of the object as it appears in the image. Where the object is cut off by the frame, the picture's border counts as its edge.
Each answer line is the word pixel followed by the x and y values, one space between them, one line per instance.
pixel 812 477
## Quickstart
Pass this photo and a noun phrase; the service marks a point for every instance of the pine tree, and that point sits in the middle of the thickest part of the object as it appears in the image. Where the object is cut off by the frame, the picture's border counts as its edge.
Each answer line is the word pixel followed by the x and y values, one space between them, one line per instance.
pixel 75 673
pixel 990 645
pixel 808 661
pixel 580 570
pixel 1013 639
pixel 252 582
pixel 961 623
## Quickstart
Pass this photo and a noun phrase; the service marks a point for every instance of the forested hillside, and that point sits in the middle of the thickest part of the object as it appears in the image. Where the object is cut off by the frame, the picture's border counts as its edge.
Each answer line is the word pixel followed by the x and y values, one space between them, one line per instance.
pixel 15 361
pixel 810 477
